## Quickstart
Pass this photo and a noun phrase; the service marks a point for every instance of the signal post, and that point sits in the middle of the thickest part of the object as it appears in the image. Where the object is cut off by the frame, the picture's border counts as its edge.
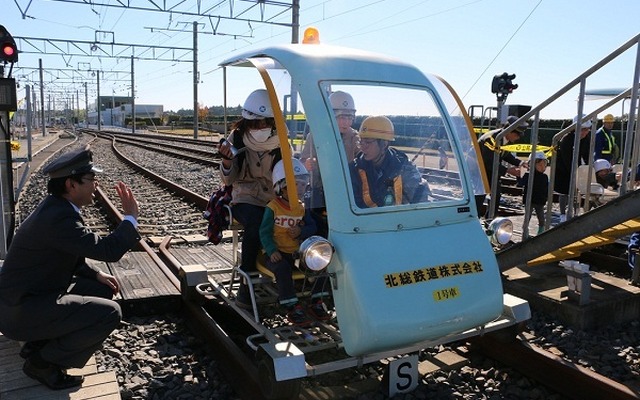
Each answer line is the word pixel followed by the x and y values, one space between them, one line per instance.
pixel 8 103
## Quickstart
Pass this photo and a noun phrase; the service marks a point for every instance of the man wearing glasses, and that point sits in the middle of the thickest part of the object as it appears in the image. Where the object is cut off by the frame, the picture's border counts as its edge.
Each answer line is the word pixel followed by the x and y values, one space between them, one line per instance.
pixel 382 175
pixel 49 296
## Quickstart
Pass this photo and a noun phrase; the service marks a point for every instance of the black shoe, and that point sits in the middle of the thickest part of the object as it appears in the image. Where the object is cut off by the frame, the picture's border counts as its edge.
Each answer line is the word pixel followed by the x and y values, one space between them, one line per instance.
pixel 244 303
pixel 243 298
pixel 31 347
pixel 52 376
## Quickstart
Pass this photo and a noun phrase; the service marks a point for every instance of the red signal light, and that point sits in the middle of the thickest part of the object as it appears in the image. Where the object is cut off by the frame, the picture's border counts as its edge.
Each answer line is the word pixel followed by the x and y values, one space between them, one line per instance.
pixel 8 50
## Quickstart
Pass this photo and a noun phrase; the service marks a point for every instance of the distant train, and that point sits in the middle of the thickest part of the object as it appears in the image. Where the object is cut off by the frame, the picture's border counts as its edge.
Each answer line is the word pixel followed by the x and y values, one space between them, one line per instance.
pixel 404 276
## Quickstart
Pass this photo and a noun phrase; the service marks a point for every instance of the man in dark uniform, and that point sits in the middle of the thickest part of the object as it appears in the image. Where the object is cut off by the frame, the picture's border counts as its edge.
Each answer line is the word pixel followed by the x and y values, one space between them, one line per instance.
pixel 49 297
pixel 487 143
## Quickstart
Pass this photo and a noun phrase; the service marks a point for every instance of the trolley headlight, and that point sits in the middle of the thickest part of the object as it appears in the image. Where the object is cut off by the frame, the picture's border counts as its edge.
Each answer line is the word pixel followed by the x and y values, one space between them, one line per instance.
pixel 316 253
pixel 500 231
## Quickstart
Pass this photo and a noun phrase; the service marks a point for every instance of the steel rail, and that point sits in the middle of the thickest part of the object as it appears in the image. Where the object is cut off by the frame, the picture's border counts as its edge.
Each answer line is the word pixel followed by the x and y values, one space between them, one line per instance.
pixel 571 380
pixel 192 155
pixel 239 369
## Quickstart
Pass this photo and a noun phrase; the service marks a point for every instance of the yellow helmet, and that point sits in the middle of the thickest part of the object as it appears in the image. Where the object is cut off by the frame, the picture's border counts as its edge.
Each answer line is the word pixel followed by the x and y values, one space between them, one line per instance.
pixel 377 127
pixel 608 118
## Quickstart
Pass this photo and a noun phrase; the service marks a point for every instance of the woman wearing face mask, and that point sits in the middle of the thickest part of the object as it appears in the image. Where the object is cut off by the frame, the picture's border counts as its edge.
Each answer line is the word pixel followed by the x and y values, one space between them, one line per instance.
pixel 257 149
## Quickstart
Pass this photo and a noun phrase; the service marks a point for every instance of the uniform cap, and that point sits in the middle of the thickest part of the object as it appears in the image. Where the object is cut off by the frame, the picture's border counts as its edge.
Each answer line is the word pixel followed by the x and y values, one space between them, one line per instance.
pixel 608 118
pixel 520 128
pixel 75 162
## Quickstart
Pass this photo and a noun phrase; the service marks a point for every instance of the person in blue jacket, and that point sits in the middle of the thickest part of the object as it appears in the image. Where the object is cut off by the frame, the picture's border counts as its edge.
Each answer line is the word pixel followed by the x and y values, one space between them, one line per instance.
pixel 382 175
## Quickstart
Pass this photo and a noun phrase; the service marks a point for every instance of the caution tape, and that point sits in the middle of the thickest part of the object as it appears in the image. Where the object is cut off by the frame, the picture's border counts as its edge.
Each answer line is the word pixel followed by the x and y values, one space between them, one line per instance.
pixel 526 148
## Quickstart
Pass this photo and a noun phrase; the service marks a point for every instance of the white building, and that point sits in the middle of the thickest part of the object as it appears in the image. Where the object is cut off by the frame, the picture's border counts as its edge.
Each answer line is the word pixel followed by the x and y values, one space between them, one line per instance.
pixel 118 115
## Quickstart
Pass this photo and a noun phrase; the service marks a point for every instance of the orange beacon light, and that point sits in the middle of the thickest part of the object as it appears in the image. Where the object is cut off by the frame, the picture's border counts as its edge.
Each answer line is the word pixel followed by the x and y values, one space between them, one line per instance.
pixel 311 36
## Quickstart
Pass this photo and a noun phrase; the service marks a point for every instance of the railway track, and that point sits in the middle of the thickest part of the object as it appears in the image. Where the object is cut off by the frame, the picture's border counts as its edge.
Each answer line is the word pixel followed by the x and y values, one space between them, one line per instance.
pixel 570 379
pixel 151 191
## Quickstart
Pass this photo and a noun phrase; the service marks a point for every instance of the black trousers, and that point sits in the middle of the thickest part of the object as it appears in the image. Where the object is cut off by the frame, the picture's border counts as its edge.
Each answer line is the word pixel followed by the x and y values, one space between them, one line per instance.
pixel 74 324
pixel 250 216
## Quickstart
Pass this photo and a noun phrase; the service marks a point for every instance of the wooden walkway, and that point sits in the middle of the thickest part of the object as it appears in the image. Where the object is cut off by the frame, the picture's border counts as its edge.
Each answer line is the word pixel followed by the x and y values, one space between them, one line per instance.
pixel 15 385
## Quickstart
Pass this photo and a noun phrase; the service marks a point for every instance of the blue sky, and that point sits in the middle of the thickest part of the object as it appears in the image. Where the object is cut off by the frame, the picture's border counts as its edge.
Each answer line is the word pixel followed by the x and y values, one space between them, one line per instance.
pixel 545 43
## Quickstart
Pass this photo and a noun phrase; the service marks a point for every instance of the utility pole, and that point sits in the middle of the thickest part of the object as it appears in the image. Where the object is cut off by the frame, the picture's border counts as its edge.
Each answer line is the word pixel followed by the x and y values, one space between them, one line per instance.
pixel 133 100
pixel 113 103
pixel 86 105
pixel 43 123
pixel 195 80
pixel 98 102
pixel 295 33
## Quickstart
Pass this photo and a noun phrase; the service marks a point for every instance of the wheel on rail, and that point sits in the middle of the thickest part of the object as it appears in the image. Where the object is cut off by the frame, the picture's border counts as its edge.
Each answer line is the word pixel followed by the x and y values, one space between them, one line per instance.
pixel 272 389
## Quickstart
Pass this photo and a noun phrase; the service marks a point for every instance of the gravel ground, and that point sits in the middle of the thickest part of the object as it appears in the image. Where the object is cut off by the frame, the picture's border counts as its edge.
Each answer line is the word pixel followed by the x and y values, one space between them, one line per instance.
pixel 158 358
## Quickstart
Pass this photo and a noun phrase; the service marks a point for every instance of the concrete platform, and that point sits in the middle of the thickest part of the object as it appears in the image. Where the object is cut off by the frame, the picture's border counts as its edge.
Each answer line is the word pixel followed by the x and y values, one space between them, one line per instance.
pixel 39 143
pixel 545 287
pixel 15 385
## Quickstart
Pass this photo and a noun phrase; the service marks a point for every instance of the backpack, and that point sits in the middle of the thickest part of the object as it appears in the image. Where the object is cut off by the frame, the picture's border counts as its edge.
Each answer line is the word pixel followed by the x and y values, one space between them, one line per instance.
pixel 217 213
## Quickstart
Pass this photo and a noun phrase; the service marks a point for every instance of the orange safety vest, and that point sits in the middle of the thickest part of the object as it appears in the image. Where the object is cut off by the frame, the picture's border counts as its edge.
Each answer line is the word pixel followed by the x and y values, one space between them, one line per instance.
pixel 366 196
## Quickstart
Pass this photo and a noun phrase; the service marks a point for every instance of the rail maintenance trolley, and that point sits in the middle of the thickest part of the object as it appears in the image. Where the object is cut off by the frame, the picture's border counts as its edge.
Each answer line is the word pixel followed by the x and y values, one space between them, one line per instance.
pixel 403 277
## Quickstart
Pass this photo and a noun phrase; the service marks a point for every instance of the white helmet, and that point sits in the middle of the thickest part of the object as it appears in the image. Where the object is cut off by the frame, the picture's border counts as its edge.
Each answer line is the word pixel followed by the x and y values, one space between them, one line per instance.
pixel 600 164
pixel 585 124
pixel 342 103
pixel 278 175
pixel 257 105
pixel 538 156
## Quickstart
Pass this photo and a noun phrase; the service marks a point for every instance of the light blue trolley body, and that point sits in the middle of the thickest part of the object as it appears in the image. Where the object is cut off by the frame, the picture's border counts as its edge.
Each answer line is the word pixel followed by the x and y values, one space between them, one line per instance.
pixel 402 276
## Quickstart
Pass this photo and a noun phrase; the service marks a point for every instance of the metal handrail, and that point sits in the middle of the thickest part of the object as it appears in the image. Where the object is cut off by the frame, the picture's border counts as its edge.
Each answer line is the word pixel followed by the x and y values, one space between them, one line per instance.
pixel 554 145
pixel 580 80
